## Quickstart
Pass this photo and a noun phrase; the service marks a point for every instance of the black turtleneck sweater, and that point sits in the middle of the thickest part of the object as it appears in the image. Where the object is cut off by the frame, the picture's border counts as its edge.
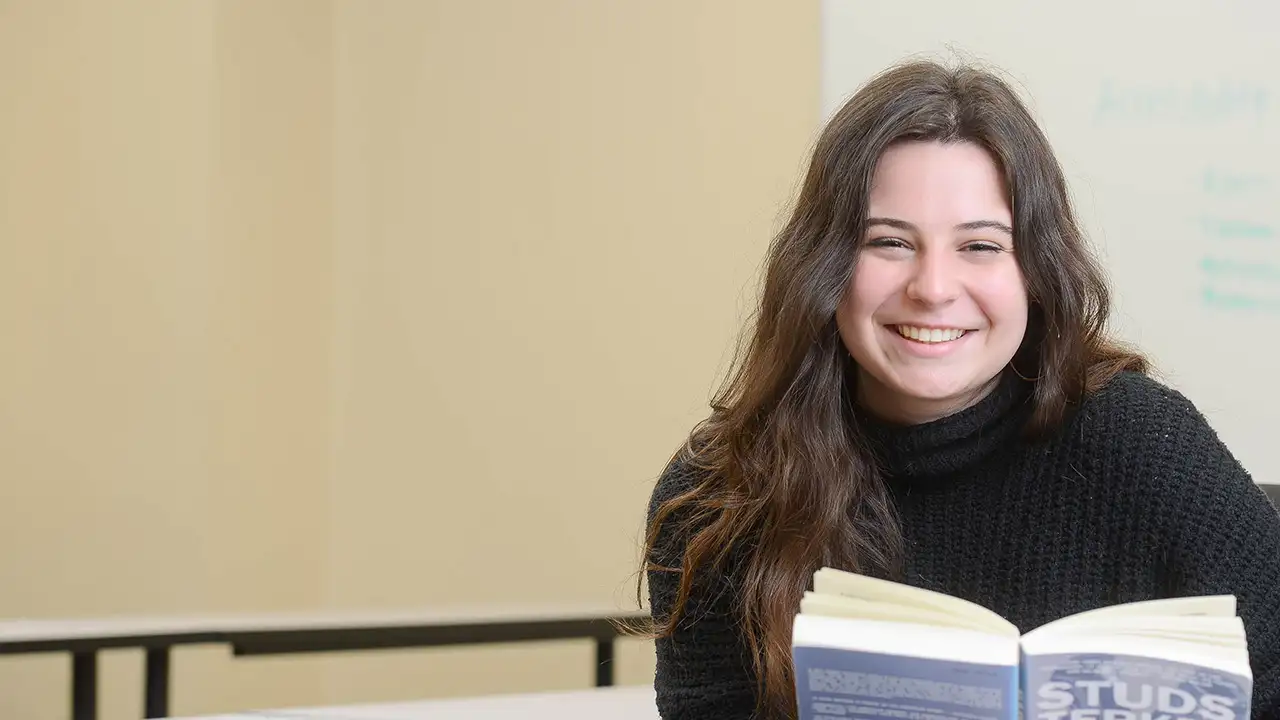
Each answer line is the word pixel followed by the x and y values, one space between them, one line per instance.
pixel 1134 498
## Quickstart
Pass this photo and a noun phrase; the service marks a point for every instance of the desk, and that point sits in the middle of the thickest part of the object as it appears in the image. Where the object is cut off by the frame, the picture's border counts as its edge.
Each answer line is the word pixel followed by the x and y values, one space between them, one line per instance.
pixel 281 633
pixel 614 703
pixel 83 638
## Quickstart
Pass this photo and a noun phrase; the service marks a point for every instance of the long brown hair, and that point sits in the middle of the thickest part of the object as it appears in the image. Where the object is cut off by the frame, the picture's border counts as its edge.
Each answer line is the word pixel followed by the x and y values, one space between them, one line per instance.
pixel 787 481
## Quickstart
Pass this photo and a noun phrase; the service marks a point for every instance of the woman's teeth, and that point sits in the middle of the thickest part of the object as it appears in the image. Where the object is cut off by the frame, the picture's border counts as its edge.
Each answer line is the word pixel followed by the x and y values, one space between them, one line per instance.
pixel 929 335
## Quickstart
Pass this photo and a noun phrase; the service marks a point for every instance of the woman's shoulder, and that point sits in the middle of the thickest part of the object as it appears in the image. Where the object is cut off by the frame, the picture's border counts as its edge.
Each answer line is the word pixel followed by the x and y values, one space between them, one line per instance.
pixel 1129 390
pixel 681 476
pixel 1133 406
pixel 1153 433
pixel 674 525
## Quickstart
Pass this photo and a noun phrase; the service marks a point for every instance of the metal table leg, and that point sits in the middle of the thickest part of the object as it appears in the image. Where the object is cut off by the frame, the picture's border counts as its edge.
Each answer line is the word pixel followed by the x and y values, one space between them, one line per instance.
pixel 84 685
pixel 604 662
pixel 157 692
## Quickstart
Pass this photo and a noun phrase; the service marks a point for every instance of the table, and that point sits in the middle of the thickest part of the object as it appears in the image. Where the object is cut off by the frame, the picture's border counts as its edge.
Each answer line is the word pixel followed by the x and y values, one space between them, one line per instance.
pixel 309 632
pixel 614 703
pixel 284 633
pixel 83 638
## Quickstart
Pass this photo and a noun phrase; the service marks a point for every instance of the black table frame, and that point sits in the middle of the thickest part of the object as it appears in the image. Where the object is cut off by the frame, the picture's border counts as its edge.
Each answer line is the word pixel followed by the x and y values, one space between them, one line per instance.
pixel 84 652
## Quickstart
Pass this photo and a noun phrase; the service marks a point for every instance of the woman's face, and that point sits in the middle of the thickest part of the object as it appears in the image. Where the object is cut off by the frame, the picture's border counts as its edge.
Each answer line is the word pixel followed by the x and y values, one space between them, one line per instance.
pixel 937 305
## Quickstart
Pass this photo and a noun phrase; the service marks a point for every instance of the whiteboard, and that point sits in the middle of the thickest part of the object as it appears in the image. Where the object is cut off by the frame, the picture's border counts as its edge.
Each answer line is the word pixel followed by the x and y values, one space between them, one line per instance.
pixel 1166 119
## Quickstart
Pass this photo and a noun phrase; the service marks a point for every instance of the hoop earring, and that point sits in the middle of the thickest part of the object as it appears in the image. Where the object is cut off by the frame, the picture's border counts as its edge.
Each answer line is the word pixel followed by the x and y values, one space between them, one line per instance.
pixel 1014 368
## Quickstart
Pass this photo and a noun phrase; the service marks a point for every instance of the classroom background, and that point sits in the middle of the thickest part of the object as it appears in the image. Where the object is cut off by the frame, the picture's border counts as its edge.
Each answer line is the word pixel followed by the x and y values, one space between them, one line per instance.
pixel 342 304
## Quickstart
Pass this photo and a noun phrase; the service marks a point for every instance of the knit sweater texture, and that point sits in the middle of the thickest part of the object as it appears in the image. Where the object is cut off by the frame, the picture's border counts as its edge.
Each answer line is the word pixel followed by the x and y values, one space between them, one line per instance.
pixel 1134 497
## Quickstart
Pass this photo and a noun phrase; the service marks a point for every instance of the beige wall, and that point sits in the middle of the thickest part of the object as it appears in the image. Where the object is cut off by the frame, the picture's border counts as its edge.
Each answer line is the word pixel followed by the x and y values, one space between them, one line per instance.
pixel 347 304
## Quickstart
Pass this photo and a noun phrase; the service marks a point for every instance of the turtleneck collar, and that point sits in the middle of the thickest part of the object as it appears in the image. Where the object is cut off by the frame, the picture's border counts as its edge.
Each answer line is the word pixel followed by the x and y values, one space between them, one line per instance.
pixel 952 443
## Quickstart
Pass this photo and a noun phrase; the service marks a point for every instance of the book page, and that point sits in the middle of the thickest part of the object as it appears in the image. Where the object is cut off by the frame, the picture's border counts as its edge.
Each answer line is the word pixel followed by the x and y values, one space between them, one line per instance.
pixel 857 608
pixel 830 581
pixel 1179 607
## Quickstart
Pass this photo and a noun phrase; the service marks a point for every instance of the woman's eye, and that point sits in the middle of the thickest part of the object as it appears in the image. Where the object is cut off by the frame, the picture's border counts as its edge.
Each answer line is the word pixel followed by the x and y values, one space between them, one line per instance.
pixel 886 242
pixel 983 247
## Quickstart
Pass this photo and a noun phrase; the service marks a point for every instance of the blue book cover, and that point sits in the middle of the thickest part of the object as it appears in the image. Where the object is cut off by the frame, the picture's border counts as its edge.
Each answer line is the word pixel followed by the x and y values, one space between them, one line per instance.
pixel 834 684
pixel 1109 686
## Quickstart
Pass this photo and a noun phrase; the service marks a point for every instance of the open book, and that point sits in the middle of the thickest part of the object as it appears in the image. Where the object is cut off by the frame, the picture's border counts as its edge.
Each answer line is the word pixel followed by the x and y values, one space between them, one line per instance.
pixel 868 648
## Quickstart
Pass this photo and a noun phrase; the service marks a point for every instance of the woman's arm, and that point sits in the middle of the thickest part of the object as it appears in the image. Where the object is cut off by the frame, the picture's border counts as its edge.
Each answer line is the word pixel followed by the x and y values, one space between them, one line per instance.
pixel 703 670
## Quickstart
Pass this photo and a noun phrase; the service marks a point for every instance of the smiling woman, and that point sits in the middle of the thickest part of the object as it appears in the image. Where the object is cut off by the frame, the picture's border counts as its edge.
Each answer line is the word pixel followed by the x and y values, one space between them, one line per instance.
pixel 929 394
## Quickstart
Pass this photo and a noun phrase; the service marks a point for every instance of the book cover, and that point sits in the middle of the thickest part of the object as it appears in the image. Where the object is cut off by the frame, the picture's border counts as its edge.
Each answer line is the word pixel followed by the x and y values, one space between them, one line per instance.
pixel 839 684
pixel 1109 686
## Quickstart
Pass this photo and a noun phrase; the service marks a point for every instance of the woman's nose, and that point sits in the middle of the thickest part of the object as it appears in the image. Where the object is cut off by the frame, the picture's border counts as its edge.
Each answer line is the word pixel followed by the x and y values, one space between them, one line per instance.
pixel 935 280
